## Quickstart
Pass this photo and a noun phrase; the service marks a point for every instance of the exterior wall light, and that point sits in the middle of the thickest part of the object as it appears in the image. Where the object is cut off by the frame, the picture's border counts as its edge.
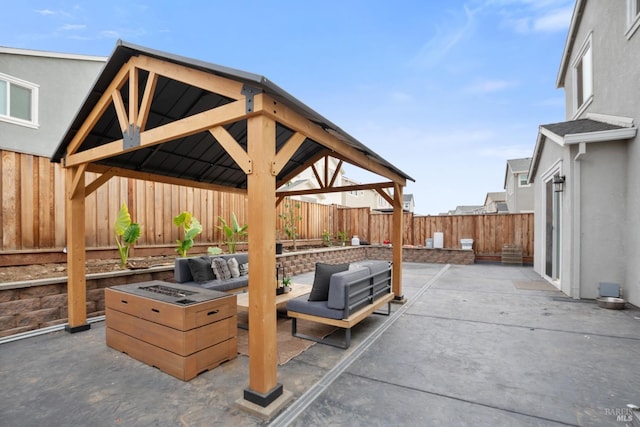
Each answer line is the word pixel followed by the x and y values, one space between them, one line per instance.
pixel 558 183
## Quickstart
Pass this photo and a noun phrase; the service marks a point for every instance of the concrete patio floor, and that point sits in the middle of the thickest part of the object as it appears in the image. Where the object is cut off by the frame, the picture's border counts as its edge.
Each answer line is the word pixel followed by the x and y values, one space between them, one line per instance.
pixel 480 345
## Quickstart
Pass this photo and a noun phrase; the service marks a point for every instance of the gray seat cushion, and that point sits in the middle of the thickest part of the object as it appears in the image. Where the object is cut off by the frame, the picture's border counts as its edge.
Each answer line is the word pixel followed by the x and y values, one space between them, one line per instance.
pixel 320 288
pixel 226 285
pixel 314 308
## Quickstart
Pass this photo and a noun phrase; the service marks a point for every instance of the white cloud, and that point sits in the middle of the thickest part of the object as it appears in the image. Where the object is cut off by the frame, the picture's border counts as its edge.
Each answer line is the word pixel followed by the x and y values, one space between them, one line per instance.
pixel 401 97
pixel 445 40
pixel 73 27
pixel 556 20
pixel 44 12
pixel 112 34
pixel 489 86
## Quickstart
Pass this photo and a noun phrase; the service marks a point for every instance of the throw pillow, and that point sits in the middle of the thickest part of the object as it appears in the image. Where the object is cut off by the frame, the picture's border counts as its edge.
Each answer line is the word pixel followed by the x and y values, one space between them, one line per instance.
pixel 320 288
pixel 220 269
pixel 200 269
pixel 244 269
pixel 234 268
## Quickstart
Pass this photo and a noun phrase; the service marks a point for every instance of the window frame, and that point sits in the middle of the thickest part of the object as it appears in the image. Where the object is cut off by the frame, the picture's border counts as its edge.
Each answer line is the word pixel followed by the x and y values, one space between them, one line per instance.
pixel 578 75
pixel 520 184
pixel 33 90
pixel 633 17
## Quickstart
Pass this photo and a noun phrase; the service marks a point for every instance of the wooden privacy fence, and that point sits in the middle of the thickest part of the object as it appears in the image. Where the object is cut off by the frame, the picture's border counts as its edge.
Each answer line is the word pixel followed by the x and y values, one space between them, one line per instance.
pixel 32 214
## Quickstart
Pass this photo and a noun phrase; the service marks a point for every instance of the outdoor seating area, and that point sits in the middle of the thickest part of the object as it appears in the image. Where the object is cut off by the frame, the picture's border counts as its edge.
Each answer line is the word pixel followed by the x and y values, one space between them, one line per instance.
pixel 474 345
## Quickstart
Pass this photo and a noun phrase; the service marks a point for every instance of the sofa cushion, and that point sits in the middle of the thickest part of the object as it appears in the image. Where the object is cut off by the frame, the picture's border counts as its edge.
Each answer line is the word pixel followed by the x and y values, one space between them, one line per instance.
pixel 234 268
pixel 227 285
pixel 220 268
pixel 244 269
pixel 320 288
pixel 314 308
pixel 340 281
pixel 200 269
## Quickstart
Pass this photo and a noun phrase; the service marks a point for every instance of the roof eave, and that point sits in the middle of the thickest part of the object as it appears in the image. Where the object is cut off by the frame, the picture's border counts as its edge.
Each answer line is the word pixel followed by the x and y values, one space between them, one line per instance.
pixel 571 37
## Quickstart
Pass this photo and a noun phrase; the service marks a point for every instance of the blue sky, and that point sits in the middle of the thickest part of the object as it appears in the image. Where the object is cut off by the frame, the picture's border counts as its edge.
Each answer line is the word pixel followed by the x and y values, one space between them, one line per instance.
pixel 447 91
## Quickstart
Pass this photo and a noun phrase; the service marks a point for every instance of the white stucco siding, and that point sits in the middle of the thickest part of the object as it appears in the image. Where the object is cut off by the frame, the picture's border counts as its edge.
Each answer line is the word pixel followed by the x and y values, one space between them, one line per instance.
pixel 603 216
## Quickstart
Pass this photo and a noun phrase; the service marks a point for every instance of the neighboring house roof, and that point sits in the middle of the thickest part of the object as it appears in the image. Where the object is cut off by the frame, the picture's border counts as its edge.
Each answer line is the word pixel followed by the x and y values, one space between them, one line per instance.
pixel 467 210
pixel 516 166
pixel 46 54
pixel 579 131
pixel 407 197
pixel 496 196
pixel 578 10
pixel 502 207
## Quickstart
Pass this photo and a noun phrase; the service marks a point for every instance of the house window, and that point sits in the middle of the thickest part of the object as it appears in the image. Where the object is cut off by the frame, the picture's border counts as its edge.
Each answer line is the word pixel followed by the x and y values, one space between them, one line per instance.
pixel 633 17
pixel 583 78
pixel 18 101
pixel 522 180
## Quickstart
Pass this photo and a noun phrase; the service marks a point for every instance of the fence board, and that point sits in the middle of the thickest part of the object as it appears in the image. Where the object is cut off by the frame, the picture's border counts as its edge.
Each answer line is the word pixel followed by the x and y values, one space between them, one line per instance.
pixel 33 197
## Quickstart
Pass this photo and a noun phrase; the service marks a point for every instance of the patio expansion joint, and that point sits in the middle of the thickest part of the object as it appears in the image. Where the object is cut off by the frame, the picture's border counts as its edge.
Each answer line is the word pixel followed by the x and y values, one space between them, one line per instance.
pixel 458 399
pixel 291 413
pixel 537 328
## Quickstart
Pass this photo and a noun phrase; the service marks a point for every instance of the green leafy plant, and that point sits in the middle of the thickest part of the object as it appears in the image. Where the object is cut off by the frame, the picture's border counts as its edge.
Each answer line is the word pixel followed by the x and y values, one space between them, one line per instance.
pixel 191 227
pixel 342 237
pixel 289 220
pixel 127 233
pixel 233 232
pixel 214 250
pixel 326 238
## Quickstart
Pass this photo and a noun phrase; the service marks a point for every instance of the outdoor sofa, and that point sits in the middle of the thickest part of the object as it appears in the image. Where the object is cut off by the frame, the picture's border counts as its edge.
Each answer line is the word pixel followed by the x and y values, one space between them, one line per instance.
pixel 198 271
pixel 342 295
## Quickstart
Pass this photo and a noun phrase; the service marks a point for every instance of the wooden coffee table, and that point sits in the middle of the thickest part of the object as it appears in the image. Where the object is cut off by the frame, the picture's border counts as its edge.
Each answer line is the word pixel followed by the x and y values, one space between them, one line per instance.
pixel 297 290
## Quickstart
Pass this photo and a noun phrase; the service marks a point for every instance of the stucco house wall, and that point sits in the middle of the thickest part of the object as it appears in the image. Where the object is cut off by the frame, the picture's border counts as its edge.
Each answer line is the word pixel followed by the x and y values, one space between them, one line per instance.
pixel 63 80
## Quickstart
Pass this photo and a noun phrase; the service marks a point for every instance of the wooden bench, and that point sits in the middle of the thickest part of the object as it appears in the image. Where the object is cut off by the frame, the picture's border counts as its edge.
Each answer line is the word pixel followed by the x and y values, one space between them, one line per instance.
pixel 353 295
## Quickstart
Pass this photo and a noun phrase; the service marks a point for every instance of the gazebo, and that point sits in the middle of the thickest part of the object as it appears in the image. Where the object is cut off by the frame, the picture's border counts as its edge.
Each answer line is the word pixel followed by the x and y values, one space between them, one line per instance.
pixel 160 117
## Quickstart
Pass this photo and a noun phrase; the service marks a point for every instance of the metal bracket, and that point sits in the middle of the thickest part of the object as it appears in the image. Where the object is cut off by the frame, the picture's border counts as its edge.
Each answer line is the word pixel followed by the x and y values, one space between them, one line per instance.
pixel 131 137
pixel 249 92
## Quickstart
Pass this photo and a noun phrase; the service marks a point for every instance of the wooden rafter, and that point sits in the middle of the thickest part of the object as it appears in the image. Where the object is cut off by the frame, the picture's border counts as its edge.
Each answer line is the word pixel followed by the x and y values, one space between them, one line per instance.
pixel 99 109
pixel 121 111
pixel 133 95
pixel 285 115
pixel 200 79
pixel 317 175
pixel 295 172
pixel 147 97
pixel 145 176
pixel 196 123
pixel 358 187
pixel 231 146
pixel 287 151
pixel 99 181
pixel 336 173
pixel 385 195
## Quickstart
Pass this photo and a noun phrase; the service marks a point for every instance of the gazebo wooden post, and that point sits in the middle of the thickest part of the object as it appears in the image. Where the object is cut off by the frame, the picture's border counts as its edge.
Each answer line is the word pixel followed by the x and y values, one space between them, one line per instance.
pixel 397 240
pixel 261 185
pixel 75 227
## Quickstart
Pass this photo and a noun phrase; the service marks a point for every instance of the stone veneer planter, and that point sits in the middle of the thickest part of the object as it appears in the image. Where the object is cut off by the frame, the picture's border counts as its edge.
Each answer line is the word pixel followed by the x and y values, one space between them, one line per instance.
pixel 36 304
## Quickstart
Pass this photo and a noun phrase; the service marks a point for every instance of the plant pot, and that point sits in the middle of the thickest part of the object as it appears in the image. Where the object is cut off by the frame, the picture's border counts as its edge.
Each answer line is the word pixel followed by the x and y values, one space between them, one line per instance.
pixel 278 248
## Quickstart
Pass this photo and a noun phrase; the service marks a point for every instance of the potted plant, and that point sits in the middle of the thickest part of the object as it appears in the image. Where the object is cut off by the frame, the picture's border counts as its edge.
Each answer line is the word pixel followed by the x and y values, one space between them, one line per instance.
pixel 191 227
pixel 232 232
pixel 326 238
pixel 342 237
pixel 286 284
pixel 127 233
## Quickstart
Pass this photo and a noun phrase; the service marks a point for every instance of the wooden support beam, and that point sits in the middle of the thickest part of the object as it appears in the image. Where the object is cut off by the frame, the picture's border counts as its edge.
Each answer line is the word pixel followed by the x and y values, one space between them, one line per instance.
pixel 147 98
pixel 287 151
pixel 231 146
pixel 133 95
pixel 77 181
pixel 213 83
pixel 144 176
pixel 99 181
pixel 263 351
pixel 336 173
pixel 341 189
pixel 190 125
pixel 295 172
pixel 397 242
pixel 121 112
pixel 100 107
pixel 75 225
pixel 285 115
pixel 326 171
pixel 385 195
pixel 321 183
